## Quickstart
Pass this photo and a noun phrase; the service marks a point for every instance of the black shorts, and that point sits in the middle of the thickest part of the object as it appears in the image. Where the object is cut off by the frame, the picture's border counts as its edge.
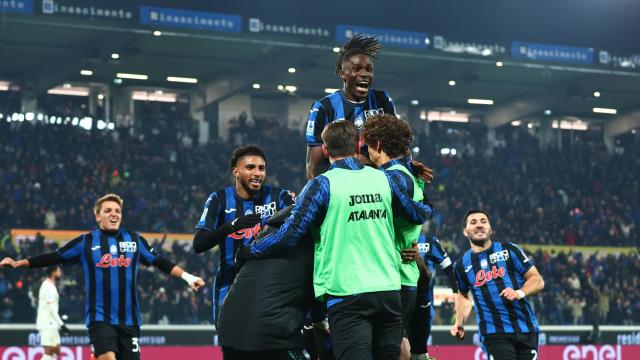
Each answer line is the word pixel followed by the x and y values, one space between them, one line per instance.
pixel 408 301
pixel 522 346
pixel 364 324
pixel 122 340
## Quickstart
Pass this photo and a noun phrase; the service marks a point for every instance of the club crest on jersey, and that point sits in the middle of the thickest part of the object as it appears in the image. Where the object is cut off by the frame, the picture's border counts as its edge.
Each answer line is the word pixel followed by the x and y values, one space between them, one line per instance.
pixel 128 246
pixel 483 263
pixel 499 256
pixel 373 112
pixel 424 248
pixel 113 249
pixel 359 121
pixel 266 210
pixel 483 277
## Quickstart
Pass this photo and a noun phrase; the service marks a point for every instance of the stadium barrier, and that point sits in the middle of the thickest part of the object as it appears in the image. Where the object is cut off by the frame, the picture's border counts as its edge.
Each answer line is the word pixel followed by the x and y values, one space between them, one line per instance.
pixel 160 342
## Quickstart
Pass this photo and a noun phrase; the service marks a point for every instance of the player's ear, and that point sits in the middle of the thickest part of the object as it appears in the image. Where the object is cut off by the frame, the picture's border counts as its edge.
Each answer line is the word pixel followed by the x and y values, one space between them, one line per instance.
pixel 465 233
pixel 234 172
pixel 325 151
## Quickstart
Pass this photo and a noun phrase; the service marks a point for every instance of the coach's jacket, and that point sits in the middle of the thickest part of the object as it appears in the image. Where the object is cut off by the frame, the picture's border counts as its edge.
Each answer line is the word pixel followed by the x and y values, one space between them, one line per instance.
pixel 266 305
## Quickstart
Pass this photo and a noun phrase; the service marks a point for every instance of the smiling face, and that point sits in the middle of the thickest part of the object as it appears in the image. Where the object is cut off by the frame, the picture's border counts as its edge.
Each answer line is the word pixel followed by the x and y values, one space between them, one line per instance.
pixel 357 74
pixel 109 216
pixel 477 229
pixel 250 172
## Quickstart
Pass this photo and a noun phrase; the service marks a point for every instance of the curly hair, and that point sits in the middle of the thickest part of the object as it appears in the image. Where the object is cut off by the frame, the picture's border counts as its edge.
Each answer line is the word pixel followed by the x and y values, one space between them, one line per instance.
pixel 359 44
pixel 393 134
pixel 244 151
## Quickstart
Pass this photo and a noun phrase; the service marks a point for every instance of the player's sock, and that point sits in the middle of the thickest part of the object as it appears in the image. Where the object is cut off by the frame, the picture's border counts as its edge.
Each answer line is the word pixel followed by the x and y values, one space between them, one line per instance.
pixel 48 357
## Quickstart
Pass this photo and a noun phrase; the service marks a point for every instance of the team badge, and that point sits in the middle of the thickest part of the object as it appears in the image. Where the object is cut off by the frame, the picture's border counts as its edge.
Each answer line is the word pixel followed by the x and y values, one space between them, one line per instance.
pixel 359 121
pixel 113 249
pixel 483 263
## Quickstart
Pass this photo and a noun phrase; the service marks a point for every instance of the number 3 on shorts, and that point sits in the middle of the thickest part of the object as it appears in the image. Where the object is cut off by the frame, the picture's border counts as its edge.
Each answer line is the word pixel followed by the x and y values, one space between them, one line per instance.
pixel 535 354
pixel 136 346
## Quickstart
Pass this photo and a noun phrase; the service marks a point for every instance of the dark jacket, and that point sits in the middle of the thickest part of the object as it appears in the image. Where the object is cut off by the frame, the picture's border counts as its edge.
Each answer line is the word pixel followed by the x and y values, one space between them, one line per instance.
pixel 267 303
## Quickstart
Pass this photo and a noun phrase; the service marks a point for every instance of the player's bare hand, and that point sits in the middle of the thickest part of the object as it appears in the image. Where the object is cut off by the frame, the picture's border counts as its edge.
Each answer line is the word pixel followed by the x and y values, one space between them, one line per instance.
pixel 197 285
pixel 457 331
pixel 411 254
pixel 509 294
pixel 422 171
pixel 8 263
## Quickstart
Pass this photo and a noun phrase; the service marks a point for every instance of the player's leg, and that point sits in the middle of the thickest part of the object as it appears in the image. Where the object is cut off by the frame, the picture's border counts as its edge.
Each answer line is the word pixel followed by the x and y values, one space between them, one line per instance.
pixel 387 324
pixel 128 343
pixel 408 301
pixel 527 346
pixel 351 329
pixel 104 340
pixel 501 346
pixel 420 326
pixel 50 340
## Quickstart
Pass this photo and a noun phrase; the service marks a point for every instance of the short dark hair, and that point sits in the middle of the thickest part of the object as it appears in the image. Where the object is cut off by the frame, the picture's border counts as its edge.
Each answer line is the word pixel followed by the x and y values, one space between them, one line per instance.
pixel 247 150
pixel 341 138
pixel 395 135
pixel 51 269
pixel 359 44
pixel 471 212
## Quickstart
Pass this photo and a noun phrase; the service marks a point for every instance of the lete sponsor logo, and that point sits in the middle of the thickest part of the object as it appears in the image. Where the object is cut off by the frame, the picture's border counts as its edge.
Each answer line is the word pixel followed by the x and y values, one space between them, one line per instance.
pixel 108 260
pixel 482 277
pixel 248 233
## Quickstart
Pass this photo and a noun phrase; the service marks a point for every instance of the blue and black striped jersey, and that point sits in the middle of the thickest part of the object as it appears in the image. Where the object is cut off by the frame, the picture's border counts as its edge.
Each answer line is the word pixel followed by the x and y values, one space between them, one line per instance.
pixel 336 107
pixel 110 265
pixel 486 274
pixel 432 253
pixel 225 205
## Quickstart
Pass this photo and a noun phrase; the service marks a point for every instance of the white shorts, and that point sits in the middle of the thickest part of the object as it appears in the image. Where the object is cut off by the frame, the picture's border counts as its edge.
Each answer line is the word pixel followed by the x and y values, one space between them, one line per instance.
pixel 49 337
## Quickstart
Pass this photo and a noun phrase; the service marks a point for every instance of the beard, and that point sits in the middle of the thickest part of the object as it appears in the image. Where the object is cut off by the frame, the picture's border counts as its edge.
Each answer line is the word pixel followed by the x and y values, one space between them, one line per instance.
pixel 248 189
pixel 480 243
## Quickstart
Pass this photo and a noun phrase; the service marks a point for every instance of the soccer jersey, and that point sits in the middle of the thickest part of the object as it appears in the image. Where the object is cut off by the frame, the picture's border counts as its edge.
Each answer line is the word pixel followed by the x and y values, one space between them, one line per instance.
pixel 486 274
pixel 432 253
pixel 225 205
pixel 110 262
pixel 48 304
pixel 337 107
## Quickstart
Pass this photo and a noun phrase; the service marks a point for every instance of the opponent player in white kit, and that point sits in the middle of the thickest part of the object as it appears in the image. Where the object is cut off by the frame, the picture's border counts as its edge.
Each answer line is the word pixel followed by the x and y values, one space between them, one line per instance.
pixel 48 321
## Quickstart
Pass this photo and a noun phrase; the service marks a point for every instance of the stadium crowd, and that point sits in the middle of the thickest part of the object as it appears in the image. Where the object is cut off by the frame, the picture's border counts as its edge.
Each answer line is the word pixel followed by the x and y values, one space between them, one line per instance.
pixel 581 195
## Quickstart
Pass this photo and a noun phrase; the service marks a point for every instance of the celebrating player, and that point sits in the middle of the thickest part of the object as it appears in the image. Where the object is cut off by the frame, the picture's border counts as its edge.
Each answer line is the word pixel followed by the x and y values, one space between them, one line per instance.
pixel 110 257
pixel 355 254
pixel 500 276
pixel 234 215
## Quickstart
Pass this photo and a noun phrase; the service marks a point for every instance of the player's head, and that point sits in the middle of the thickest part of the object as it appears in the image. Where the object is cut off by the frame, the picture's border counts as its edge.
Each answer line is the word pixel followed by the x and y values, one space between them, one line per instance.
pixel 355 65
pixel 249 166
pixel 54 272
pixel 386 133
pixel 341 139
pixel 108 212
pixel 476 227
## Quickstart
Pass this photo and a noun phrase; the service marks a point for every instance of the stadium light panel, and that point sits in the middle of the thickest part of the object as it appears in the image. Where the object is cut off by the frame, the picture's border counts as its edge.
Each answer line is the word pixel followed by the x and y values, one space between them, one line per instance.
pixel 86 72
pixel 480 101
pixel 291 88
pixel 605 110
pixel 452 83
pixel 415 102
pixel 132 76
pixel 179 79
pixel 256 86
pixel 330 90
pixel 69 91
pixel 336 49
pixel 596 94
pixel 291 70
pixel 447 116
pixel 157 33
pixel 115 56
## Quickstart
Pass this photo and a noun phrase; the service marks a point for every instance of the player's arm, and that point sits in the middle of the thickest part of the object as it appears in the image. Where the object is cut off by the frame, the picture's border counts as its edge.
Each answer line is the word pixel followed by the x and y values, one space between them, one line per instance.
pixel 311 203
pixel 533 282
pixel 463 309
pixel 48 298
pixel 315 124
pixel 68 253
pixel 149 256
pixel 209 233
pixel 403 205
pixel 440 256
